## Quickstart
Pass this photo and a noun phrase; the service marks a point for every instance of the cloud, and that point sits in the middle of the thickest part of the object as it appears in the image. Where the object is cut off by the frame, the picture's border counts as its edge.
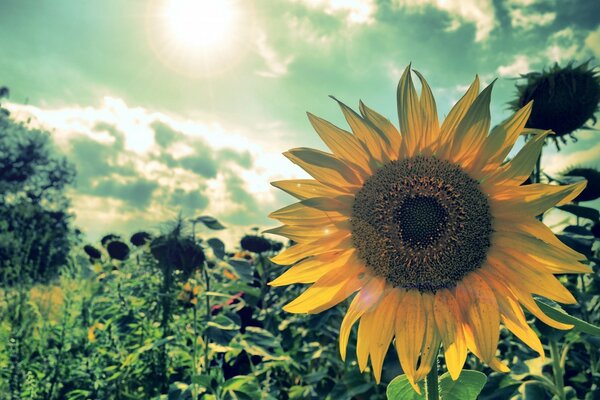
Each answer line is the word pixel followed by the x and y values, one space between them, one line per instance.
pixel 529 14
pixel 276 66
pixel 562 45
pixel 592 42
pixel 520 65
pixel 354 11
pixel 479 13
pixel 148 167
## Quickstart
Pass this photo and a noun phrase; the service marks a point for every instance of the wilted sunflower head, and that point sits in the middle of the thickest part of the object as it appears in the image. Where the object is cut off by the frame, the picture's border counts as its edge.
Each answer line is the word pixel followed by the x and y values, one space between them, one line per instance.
pixel 255 244
pixel 592 176
pixel 564 98
pixel 430 228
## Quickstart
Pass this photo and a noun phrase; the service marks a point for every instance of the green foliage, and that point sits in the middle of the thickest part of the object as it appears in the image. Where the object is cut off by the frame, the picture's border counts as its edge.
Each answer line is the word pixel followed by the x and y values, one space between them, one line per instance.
pixel 35 231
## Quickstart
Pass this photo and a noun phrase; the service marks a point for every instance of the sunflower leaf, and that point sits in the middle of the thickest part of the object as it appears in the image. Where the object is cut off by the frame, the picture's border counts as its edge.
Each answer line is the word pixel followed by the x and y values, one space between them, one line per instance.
pixel 467 387
pixel 400 388
pixel 209 222
pixel 556 313
pixel 580 211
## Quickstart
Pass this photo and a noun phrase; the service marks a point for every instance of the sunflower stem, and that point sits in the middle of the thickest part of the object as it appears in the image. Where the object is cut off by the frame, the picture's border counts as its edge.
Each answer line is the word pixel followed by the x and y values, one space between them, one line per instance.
pixel 431 383
pixel 557 369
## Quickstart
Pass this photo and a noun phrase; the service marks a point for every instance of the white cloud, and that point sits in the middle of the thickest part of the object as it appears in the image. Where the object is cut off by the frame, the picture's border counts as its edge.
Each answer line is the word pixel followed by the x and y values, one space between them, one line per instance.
pixel 557 162
pixel 355 11
pixel 276 66
pixel 520 65
pixel 477 12
pixel 130 178
pixel 563 46
pixel 525 14
pixel 592 42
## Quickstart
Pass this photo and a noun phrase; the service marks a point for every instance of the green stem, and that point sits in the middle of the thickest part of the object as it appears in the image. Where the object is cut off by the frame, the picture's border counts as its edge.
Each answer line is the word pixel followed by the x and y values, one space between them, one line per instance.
pixel 195 351
pixel 207 283
pixel 557 369
pixel 431 383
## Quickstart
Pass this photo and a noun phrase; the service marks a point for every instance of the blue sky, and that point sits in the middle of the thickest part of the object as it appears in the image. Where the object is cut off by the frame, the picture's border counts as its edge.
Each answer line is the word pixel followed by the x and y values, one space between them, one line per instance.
pixel 165 111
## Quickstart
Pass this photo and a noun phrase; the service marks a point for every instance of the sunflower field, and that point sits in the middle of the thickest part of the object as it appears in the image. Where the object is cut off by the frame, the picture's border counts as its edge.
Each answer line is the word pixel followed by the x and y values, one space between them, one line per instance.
pixel 415 264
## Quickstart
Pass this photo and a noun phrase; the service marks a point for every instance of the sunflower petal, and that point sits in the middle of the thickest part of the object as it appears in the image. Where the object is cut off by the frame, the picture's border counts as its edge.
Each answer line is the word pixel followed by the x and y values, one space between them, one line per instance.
pixel 502 139
pixel 472 130
pixel 431 124
pixel 455 115
pixel 306 188
pixel 535 199
pixel 410 329
pixel 431 341
pixel 480 310
pixel 300 214
pixel 410 114
pixel 297 252
pixel 517 170
pixel 343 144
pixel 383 320
pixel 383 125
pixel 332 288
pixel 366 298
pixel 312 269
pixel 369 136
pixel 304 234
pixel 325 168
pixel 448 321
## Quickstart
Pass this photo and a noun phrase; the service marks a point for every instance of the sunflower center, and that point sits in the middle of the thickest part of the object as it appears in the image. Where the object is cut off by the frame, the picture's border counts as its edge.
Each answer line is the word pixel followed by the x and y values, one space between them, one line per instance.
pixel 421 220
pixel 421 223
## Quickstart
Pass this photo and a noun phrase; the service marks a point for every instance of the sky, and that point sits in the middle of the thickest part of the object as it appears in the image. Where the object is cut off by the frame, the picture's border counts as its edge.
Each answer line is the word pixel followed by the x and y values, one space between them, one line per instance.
pixel 185 106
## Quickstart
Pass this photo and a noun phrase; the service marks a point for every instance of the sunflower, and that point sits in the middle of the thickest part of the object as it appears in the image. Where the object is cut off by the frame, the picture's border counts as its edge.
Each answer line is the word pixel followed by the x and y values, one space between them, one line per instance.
pixel 432 231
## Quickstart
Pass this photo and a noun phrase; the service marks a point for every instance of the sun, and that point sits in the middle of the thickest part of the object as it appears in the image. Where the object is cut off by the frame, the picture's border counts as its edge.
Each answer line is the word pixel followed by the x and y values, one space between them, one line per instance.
pixel 200 24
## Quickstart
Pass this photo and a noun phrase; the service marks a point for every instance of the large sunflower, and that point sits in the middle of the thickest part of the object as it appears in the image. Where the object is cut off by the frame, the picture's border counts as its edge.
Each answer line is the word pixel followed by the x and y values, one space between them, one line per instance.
pixel 434 233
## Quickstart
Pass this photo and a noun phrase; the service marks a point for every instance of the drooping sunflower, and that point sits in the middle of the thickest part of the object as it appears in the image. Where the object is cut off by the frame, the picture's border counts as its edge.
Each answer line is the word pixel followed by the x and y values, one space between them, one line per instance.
pixel 430 229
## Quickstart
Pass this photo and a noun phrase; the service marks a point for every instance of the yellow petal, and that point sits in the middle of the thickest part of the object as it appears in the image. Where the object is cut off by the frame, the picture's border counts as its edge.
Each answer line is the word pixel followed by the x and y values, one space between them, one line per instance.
pixel 305 234
pixel 300 214
pixel 325 168
pixel 526 300
pixel 332 288
pixel 383 321
pixel 454 117
pixel 534 228
pixel 472 130
pixel 431 341
pixel 512 315
pixel 343 144
pixel 312 269
pixel 410 114
pixel 517 170
pixel 342 204
pixel 366 298
pixel 363 338
pixel 480 310
pixel 431 125
pixel 516 274
pixel 448 320
pixel 410 329
pixel 340 240
pixel 306 188
pixel 371 139
pixel 383 125
pixel 532 200
pixel 502 139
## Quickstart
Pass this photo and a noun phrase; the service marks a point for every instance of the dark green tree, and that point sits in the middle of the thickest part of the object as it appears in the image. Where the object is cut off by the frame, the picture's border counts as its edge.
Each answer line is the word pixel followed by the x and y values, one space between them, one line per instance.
pixel 35 228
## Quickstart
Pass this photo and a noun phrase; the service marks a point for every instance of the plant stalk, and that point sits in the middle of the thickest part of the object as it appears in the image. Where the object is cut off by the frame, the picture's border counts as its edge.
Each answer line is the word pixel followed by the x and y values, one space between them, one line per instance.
pixel 557 369
pixel 432 391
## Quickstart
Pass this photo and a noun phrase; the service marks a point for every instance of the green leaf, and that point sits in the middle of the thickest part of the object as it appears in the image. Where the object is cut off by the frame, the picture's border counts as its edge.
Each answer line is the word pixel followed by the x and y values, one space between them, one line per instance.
pixel 555 312
pixel 580 211
pixel 467 387
pixel 217 246
pixel 209 222
pixel 400 389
